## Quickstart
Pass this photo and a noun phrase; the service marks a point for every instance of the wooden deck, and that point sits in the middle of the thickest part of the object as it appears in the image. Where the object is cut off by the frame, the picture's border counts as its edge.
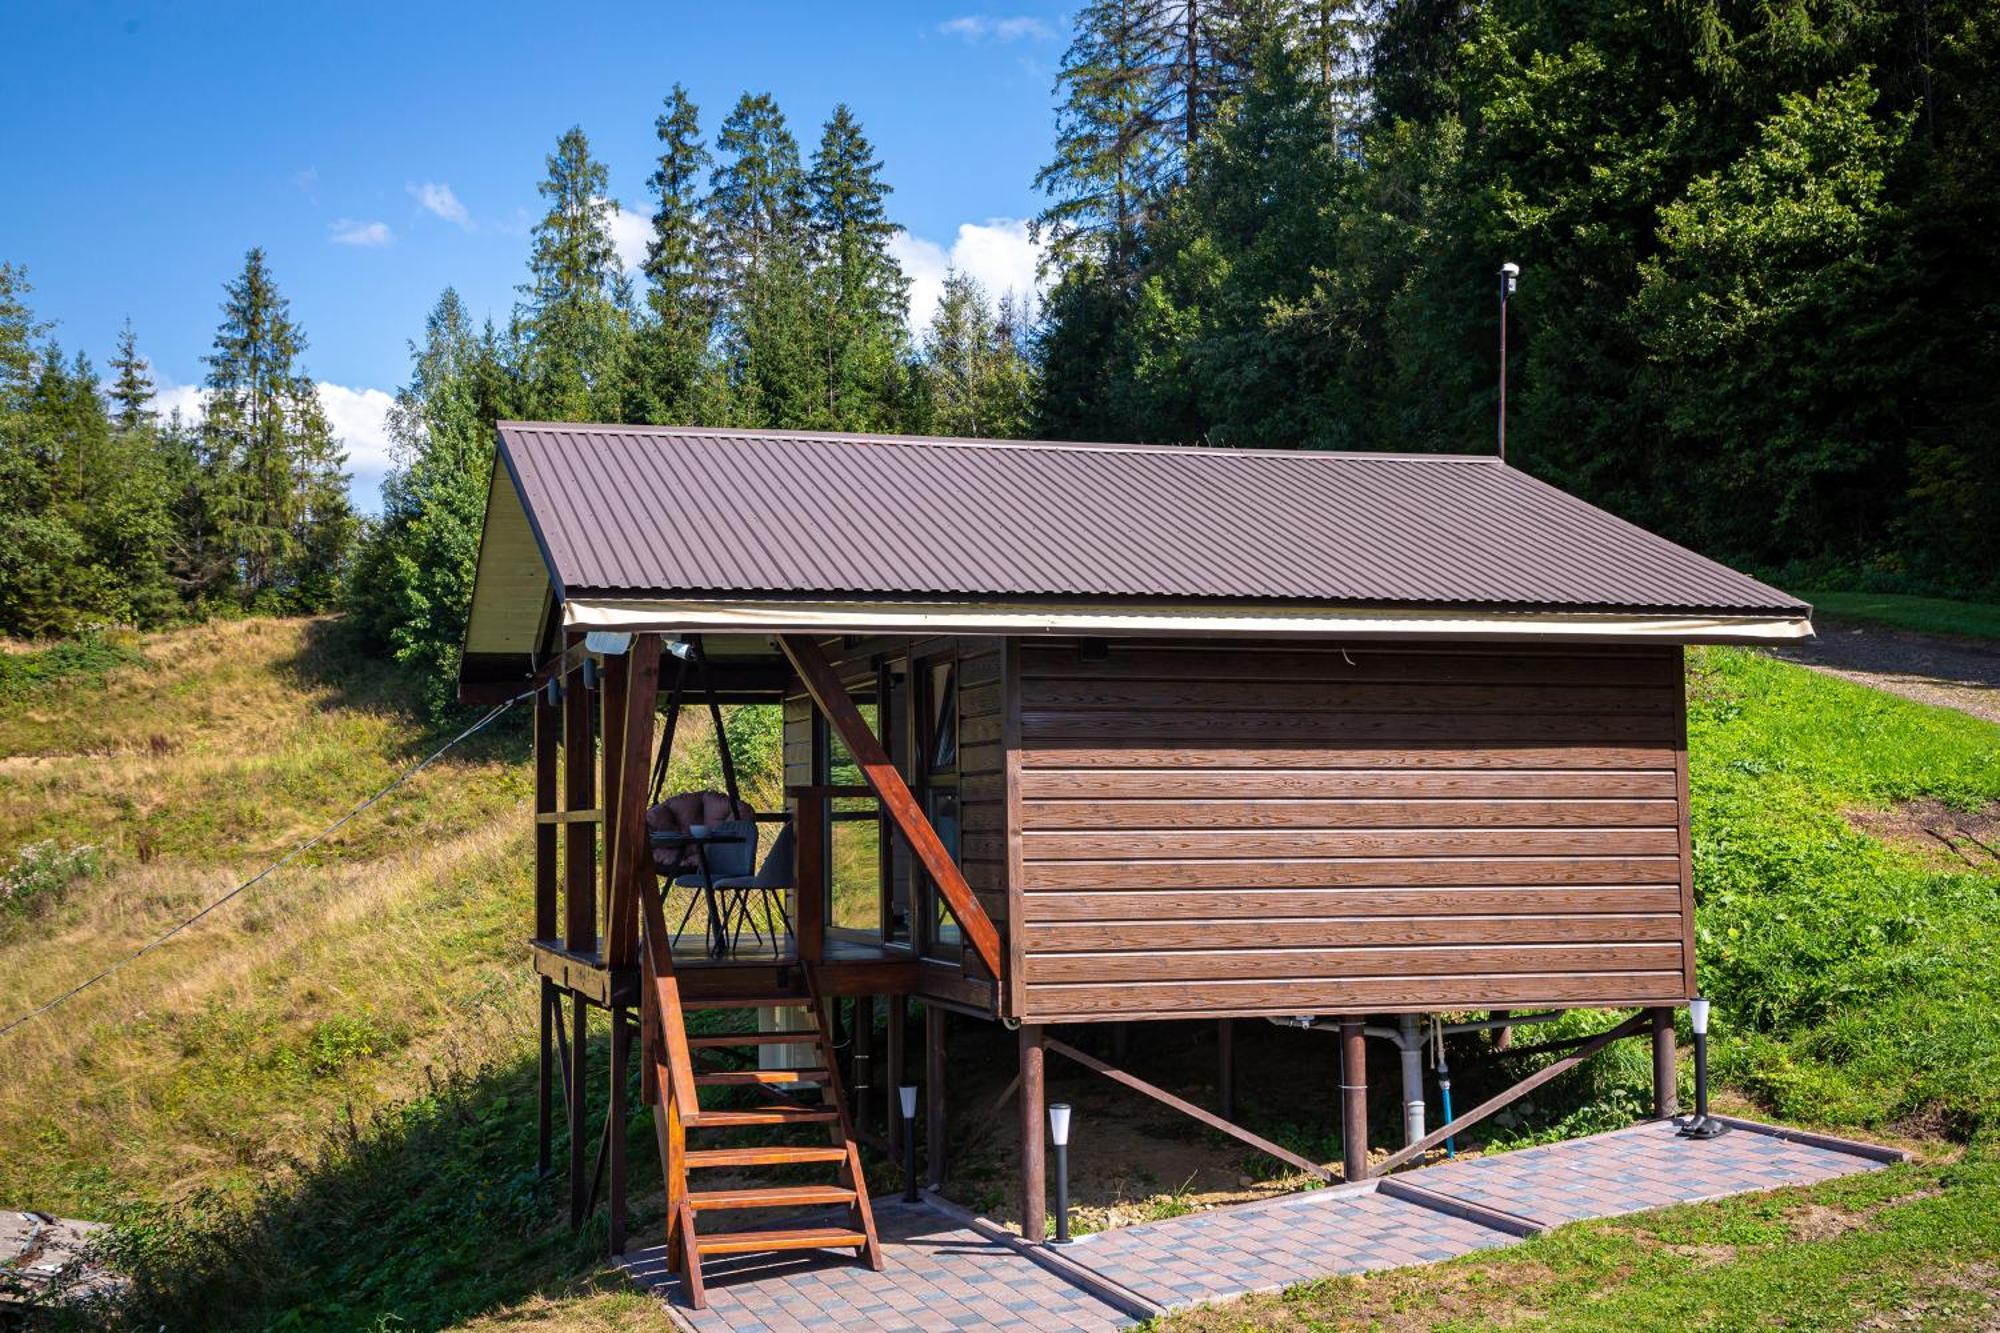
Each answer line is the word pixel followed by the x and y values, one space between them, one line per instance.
pixel 851 967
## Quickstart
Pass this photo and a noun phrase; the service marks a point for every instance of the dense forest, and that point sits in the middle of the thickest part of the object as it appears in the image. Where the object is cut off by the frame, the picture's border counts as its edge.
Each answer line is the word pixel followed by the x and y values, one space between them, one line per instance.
pixel 1759 308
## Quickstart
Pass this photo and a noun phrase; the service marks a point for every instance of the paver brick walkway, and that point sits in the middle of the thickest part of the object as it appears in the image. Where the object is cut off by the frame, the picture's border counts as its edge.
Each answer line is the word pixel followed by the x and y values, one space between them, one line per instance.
pixel 947 1270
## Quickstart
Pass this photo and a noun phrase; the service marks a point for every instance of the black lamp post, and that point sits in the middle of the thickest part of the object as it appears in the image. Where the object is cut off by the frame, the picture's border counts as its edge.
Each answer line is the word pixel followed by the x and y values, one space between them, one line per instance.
pixel 908 1093
pixel 1701 1125
pixel 1059 1140
pixel 1508 273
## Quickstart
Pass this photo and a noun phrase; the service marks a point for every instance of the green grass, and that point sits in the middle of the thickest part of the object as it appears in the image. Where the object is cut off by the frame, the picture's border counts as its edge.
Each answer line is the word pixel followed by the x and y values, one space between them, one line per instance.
pixel 1930 615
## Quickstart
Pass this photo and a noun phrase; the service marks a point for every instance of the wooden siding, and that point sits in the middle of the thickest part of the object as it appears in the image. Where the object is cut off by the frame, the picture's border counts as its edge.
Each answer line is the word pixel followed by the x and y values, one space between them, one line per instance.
pixel 1249 828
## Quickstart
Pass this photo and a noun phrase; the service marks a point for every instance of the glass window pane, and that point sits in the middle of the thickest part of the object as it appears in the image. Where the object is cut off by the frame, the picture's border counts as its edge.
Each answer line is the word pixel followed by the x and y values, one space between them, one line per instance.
pixel 856 872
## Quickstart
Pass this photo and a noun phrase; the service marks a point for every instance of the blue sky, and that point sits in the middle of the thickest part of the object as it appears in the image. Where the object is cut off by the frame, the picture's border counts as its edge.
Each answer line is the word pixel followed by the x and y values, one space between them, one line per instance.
pixel 380 152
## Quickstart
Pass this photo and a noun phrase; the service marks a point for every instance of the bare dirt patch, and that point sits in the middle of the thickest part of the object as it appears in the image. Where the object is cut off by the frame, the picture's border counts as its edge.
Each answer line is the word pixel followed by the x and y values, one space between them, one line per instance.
pixel 1949 838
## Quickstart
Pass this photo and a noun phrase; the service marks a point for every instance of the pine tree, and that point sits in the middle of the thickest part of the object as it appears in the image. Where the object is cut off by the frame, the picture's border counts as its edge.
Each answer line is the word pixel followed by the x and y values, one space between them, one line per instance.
pixel 282 506
pixel 863 289
pixel 132 390
pixel 575 318
pixel 674 379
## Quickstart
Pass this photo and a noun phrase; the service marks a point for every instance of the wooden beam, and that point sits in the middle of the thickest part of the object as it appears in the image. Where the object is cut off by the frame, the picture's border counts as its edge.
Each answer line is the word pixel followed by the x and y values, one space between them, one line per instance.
pixel 1034 1174
pixel 549 819
pixel 615 1116
pixel 614 675
pixel 631 847
pixel 809 876
pixel 579 1048
pixel 896 1070
pixel 822 682
pixel 1631 1026
pixel 1209 1118
pixel 1225 1066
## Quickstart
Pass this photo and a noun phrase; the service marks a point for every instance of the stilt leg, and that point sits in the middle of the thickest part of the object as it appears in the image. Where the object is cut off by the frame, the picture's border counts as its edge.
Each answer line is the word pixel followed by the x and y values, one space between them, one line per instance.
pixel 616 1115
pixel 1034 1184
pixel 934 1131
pixel 545 1079
pixel 579 1182
pixel 1666 1071
pixel 896 1070
pixel 1225 1073
pixel 1353 1099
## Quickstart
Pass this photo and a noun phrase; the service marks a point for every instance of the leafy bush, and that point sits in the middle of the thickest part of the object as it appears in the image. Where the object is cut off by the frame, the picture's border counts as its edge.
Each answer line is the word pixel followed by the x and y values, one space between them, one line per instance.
pixel 86 660
pixel 43 873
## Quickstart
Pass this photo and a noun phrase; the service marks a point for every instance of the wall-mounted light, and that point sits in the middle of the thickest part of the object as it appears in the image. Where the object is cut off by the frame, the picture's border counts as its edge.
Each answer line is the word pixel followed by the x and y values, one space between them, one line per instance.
pixel 1059 1140
pixel 607 643
pixel 590 673
pixel 553 691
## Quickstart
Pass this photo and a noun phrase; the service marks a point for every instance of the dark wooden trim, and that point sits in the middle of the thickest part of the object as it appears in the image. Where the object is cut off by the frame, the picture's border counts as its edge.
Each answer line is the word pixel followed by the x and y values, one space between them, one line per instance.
pixel 823 683
pixel 634 853
pixel 613 689
pixel 1185 1107
pixel 1225 1066
pixel 1635 1024
pixel 1331 783
pixel 1034 1175
pixel 584 973
pixel 1270 937
pixel 1131 1001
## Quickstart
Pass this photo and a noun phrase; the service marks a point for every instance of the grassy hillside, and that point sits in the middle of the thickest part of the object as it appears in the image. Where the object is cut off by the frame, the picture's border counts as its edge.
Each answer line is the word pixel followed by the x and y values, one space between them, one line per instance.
pixel 314 1110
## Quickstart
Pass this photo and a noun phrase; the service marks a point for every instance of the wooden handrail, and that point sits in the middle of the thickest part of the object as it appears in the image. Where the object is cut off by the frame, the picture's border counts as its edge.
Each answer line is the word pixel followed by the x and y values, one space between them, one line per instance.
pixel 665 993
pixel 822 682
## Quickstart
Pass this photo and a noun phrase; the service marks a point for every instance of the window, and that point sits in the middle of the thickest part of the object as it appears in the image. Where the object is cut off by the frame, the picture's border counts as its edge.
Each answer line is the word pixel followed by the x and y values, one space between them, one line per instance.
pixel 937 790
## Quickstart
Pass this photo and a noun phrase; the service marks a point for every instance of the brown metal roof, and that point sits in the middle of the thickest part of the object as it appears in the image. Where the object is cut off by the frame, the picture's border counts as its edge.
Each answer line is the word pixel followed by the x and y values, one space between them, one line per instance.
pixel 654 511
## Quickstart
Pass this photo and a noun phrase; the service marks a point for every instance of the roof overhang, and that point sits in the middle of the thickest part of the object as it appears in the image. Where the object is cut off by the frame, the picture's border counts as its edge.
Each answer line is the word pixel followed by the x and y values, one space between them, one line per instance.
pixel 1207 620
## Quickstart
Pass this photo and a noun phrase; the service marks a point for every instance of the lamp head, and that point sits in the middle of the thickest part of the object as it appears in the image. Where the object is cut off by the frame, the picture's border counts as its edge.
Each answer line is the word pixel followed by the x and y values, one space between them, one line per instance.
pixel 1059 1124
pixel 606 642
pixel 679 648
pixel 1698 1016
pixel 1508 273
pixel 908 1094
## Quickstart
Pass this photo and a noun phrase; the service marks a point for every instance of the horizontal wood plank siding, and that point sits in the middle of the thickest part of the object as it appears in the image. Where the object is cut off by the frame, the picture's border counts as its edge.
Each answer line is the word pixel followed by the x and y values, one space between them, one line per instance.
pixel 1245 828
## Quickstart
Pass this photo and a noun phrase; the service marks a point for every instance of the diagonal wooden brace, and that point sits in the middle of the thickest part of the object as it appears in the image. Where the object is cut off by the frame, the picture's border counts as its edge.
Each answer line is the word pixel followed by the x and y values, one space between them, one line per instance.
pixel 822 682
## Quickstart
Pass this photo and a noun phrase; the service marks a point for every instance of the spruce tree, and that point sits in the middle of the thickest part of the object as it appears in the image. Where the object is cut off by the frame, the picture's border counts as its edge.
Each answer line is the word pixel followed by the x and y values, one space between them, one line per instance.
pixel 977 383
pixel 674 379
pixel 282 506
pixel 862 288
pixel 132 389
pixel 575 317
pixel 771 324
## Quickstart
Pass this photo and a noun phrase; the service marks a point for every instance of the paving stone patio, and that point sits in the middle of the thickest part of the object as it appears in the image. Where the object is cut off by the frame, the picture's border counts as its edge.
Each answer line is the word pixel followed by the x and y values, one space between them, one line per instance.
pixel 946 1269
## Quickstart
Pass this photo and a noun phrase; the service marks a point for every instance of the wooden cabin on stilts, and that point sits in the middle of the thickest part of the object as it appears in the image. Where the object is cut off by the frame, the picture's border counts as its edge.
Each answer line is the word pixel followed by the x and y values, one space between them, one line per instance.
pixel 1139 734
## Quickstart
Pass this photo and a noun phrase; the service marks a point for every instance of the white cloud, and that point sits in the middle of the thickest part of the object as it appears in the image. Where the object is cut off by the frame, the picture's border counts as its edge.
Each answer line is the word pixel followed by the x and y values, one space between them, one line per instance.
pixel 997 252
pixel 986 27
pixel 359 418
pixel 437 199
pixel 630 233
pixel 349 232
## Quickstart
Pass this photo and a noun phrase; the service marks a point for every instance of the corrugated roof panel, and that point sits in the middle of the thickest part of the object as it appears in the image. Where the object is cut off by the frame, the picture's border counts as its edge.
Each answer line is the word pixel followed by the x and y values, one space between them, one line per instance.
pixel 659 511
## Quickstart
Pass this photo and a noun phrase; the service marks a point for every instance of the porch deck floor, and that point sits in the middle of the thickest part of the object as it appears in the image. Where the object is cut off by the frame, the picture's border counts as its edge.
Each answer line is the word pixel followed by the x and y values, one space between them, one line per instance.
pixel 946 1269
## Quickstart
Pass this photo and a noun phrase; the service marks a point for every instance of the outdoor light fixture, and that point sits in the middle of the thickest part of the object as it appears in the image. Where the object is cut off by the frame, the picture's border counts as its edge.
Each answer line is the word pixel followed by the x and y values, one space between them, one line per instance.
pixel 908 1093
pixel 607 643
pixel 590 673
pixel 1059 1140
pixel 554 691
pixel 680 648
pixel 1701 1125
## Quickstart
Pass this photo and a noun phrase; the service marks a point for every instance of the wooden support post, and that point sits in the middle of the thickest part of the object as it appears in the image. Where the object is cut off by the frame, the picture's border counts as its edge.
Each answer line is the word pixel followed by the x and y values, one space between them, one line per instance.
pixel 863 1058
pixel 896 1070
pixel 579 840
pixel 1034 1175
pixel 614 678
pixel 1503 1037
pixel 545 1126
pixel 579 1104
pixel 810 875
pixel 1666 1070
pixel 1353 1100
pixel 628 855
pixel 1225 1070
pixel 1121 1042
pixel 934 1132
pixel 616 1115
pixel 548 748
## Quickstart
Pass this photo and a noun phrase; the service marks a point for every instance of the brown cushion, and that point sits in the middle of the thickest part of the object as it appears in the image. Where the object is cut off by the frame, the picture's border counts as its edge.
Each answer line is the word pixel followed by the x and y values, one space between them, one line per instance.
pixel 679 813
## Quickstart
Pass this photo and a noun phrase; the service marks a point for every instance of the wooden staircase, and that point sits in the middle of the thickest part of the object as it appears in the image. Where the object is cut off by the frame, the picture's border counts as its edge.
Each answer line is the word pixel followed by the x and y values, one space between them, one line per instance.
pixel 672 1083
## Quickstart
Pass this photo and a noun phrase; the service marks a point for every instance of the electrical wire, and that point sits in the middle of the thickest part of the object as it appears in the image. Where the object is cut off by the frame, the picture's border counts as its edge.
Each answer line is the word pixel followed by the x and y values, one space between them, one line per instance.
pixel 271 869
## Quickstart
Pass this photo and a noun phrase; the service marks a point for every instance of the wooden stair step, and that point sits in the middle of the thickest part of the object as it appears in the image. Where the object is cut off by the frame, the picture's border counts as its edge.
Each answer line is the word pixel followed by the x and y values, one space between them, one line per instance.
pixel 769 1196
pixel 768 1001
pixel 730 1078
pixel 795 1238
pixel 712 1040
pixel 771 1156
pixel 764 1115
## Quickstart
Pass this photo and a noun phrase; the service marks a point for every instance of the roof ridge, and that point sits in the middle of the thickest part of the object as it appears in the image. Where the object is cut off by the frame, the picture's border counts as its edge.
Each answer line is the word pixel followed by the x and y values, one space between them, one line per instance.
pixel 970 442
